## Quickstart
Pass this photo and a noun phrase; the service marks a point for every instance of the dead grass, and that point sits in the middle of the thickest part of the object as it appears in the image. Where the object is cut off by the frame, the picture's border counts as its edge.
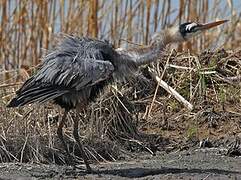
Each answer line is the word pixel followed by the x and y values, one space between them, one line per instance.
pixel 121 120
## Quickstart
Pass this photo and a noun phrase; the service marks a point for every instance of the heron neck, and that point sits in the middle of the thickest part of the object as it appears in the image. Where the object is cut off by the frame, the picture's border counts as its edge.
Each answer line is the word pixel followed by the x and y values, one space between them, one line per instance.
pixel 146 55
pixel 129 60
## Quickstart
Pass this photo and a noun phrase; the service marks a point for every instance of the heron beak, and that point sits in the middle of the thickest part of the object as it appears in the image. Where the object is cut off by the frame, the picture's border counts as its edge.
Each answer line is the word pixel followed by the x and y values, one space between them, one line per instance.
pixel 207 26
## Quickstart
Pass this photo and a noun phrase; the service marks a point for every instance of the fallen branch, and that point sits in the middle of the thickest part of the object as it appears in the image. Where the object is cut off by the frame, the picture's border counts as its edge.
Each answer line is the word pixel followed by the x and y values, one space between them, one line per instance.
pixel 170 90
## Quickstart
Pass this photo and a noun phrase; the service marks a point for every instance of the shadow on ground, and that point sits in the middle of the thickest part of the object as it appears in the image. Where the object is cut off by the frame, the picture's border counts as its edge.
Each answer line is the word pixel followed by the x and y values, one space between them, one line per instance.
pixel 143 172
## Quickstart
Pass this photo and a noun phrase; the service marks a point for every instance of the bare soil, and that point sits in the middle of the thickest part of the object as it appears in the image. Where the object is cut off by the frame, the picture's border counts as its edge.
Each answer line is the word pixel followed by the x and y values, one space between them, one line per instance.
pixel 208 163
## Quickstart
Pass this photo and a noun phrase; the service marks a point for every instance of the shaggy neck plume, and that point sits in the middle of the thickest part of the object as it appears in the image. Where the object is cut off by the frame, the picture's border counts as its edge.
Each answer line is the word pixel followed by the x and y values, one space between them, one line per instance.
pixel 146 55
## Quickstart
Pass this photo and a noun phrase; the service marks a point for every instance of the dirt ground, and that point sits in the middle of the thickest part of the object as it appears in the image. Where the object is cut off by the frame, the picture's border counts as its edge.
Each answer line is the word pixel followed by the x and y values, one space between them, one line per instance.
pixel 208 163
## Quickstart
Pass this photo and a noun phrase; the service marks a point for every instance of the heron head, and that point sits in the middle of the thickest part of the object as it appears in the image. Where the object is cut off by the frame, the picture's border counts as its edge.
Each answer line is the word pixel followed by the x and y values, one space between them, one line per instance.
pixel 183 32
pixel 191 29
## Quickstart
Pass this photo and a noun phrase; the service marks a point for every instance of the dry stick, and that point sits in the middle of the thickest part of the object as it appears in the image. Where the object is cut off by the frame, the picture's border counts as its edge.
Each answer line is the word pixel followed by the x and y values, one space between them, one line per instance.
pixel 154 97
pixel 229 56
pixel 11 84
pixel 22 151
pixel 142 145
pixel 119 99
pixel 8 153
pixel 170 90
pixel 190 74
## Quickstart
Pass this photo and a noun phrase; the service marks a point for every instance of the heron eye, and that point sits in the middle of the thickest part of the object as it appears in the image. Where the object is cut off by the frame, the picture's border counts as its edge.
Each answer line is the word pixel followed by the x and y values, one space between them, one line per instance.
pixel 193 29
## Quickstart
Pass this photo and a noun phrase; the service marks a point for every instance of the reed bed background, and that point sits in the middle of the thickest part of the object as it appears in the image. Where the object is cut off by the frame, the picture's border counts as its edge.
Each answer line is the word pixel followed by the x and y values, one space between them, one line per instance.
pixel 210 80
pixel 27 28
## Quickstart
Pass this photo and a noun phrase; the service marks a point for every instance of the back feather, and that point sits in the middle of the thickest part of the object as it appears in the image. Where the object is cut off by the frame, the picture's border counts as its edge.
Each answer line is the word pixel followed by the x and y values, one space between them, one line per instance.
pixel 74 65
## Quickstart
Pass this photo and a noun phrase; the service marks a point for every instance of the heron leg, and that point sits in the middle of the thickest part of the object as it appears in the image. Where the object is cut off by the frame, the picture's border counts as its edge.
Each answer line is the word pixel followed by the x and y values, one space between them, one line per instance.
pixel 80 145
pixel 61 137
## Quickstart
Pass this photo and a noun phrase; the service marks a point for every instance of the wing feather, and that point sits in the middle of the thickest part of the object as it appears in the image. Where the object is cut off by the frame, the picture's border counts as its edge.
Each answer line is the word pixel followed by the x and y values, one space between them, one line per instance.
pixel 75 64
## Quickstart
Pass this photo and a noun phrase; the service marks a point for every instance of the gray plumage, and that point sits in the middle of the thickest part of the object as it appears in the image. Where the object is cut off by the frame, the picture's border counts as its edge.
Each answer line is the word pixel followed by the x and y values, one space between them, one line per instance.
pixel 75 66
pixel 77 70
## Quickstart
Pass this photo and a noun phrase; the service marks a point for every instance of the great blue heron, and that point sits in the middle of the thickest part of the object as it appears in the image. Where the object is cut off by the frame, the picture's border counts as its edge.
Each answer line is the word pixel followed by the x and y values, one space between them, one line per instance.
pixel 75 72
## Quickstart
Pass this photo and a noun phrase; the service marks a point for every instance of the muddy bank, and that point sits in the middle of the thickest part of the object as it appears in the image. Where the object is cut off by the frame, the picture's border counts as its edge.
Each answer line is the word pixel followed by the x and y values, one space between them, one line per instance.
pixel 194 164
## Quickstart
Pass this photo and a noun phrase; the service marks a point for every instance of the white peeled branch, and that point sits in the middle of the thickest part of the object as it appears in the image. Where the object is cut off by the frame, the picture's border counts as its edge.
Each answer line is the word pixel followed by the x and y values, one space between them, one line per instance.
pixel 170 90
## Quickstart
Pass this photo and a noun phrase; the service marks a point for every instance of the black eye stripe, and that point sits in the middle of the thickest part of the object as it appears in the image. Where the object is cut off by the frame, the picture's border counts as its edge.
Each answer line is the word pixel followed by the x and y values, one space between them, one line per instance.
pixel 185 28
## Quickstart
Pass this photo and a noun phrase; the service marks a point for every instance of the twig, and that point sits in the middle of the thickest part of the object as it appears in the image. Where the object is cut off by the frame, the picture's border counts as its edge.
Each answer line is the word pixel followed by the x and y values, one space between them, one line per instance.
pixel 179 67
pixel 170 90
pixel 207 72
pixel 22 151
pixel 141 144
pixel 10 84
pixel 228 57
pixel 230 80
pixel 120 100
pixel 154 97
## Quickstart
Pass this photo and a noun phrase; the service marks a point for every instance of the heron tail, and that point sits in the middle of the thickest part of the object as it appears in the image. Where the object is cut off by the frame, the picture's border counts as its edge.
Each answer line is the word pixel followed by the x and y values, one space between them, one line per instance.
pixel 13 103
pixel 35 94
